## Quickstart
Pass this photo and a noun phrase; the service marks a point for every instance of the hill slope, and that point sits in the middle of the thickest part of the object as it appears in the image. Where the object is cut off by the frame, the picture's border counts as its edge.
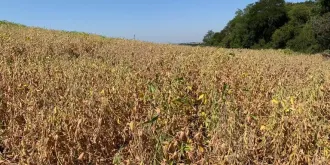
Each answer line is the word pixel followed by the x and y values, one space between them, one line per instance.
pixel 72 98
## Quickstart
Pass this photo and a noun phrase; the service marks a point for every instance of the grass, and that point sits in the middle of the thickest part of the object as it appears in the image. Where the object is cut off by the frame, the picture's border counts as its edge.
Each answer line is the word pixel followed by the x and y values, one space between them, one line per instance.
pixel 67 98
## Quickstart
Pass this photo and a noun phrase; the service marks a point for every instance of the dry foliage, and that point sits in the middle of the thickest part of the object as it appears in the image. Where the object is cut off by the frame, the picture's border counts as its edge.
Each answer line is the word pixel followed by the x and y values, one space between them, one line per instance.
pixel 69 98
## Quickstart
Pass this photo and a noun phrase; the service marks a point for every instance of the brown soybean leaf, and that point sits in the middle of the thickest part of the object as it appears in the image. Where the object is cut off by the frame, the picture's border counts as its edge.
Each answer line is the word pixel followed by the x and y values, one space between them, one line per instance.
pixel 81 156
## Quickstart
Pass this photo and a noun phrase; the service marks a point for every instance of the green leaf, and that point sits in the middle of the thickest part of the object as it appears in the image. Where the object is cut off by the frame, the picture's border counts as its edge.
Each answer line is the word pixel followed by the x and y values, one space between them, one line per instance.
pixel 254 117
pixel 152 120
pixel 152 88
pixel 225 87
pixel 187 148
pixel 180 79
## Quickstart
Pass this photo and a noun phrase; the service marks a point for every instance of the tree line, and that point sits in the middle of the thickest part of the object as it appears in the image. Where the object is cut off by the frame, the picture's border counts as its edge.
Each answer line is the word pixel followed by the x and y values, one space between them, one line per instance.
pixel 302 27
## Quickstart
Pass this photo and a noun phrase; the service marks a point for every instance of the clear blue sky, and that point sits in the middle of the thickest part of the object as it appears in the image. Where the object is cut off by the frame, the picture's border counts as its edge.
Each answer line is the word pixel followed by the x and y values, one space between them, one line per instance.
pixel 165 21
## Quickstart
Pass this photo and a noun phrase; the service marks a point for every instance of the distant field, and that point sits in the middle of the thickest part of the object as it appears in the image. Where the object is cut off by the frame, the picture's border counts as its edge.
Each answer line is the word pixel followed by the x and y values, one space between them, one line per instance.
pixel 74 98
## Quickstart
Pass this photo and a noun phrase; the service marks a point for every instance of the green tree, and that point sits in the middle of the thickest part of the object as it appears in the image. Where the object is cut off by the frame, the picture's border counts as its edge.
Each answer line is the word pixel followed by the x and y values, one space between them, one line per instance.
pixel 254 26
pixel 305 41
pixel 321 28
pixel 264 17
pixel 324 6
pixel 208 38
pixel 236 34
pixel 282 35
pixel 217 38
pixel 276 24
pixel 300 13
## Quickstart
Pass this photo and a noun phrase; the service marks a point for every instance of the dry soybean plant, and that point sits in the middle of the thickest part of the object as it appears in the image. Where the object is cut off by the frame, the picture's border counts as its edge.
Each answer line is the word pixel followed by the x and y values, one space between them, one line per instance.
pixel 75 98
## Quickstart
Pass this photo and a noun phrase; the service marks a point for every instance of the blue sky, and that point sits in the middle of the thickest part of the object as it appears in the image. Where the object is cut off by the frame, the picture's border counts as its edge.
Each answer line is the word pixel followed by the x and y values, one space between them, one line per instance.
pixel 164 21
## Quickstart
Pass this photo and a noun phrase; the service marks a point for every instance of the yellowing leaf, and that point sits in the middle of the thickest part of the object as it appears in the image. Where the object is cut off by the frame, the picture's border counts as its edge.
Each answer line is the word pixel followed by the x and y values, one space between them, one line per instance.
pixel 244 74
pixel 262 128
pixel 131 125
pixel 205 101
pixel 292 100
pixel 201 97
pixel 288 110
pixel 200 149
pixel 102 92
pixel 274 101
pixel 203 114
pixel 189 87
pixel 326 152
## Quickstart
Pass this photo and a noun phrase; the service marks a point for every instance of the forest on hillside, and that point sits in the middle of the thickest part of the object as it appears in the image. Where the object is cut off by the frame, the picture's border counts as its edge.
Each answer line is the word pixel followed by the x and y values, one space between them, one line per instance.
pixel 302 27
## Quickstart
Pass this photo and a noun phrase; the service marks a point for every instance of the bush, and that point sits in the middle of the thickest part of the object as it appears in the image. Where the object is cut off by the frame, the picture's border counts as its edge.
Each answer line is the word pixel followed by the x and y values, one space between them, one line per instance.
pixel 321 28
pixel 305 41
pixel 282 35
